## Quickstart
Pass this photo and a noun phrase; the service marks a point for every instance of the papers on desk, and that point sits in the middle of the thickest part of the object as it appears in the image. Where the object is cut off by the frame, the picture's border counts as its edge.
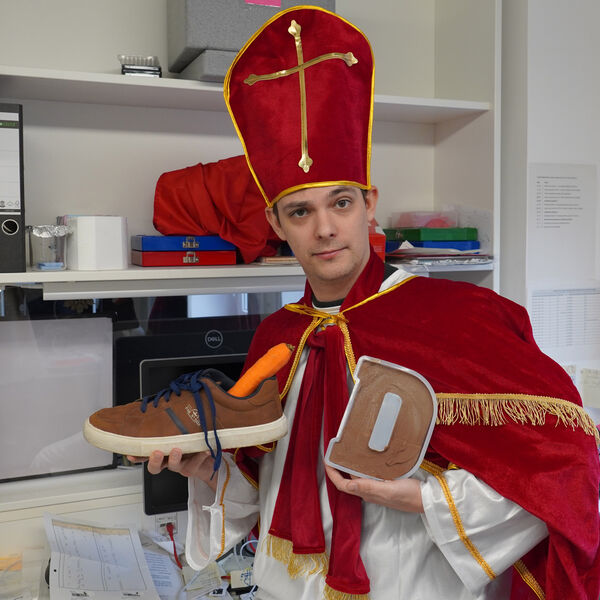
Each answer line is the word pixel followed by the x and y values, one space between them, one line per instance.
pixel 106 563
pixel 114 563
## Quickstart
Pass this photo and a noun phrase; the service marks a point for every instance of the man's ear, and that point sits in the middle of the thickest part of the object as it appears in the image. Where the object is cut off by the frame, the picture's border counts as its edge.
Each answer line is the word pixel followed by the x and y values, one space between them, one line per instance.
pixel 273 219
pixel 371 202
pixel 274 222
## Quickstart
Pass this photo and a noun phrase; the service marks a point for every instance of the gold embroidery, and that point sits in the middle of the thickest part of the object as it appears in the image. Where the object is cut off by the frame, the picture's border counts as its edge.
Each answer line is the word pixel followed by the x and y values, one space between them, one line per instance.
pixel 222 505
pixel 295 30
pixel 438 473
pixel 348 58
pixel 529 579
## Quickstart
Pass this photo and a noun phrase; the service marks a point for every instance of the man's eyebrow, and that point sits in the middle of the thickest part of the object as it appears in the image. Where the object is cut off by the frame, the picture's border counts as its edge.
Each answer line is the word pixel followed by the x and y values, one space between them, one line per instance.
pixel 342 189
pixel 296 204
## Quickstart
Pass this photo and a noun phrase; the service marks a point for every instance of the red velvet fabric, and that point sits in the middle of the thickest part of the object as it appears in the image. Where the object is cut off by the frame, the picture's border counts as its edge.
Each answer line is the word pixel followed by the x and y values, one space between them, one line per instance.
pixel 467 340
pixel 322 400
pixel 219 198
pixel 338 102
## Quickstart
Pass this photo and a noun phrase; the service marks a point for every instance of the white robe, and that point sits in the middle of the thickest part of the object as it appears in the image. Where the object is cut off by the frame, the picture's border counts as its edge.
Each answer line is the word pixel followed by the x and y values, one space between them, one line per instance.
pixel 407 556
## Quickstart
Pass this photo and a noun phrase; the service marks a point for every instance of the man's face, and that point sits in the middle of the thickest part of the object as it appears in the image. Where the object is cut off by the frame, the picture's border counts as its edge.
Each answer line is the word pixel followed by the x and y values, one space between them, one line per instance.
pixel 327 229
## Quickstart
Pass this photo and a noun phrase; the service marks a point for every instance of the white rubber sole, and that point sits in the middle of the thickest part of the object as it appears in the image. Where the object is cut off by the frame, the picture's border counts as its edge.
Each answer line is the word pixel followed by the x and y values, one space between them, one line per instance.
pixel 240 437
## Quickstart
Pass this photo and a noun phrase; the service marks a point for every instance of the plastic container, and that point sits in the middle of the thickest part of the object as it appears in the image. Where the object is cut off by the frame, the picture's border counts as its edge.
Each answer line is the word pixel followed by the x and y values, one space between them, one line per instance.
pixel 425 218
pixel 48 247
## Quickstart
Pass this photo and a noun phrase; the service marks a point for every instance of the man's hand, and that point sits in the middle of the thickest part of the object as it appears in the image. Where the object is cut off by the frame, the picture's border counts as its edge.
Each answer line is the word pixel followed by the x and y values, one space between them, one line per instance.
pixel 400 494
pixel 198 465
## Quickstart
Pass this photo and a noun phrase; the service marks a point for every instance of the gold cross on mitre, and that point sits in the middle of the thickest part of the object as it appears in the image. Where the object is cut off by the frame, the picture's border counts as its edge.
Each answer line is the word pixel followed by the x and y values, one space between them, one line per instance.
pixel 349 58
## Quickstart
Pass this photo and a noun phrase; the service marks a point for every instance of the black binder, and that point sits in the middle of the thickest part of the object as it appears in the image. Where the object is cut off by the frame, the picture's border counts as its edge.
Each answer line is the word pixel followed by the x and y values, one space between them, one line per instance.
pixel 12 208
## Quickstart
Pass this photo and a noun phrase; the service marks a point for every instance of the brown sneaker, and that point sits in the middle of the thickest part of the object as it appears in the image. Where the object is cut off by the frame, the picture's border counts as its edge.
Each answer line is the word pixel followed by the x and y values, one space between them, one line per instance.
pixel 387 424
pixel 194 414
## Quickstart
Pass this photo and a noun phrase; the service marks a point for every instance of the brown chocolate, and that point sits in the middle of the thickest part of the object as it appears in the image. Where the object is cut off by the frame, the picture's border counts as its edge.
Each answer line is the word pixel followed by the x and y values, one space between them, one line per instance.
pixel 408 435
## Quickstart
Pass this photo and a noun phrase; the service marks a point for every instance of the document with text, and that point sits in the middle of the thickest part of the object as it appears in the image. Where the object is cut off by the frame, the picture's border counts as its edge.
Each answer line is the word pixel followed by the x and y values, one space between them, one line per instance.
pixel 90 561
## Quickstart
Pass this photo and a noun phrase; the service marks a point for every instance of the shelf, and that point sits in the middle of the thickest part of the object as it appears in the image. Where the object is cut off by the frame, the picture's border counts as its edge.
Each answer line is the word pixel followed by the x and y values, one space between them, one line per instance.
pixel 104 88
pixel 450 268
pixel 155 281
pixel 179 281
pixel 32 497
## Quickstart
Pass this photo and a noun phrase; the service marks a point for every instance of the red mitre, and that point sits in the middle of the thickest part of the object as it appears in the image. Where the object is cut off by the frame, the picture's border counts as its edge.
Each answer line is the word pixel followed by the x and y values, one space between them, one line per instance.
pixel 300 93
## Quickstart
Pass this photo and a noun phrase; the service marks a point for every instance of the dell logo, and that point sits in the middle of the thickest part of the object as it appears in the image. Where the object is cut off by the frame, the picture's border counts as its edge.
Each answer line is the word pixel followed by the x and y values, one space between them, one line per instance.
pixel 213 338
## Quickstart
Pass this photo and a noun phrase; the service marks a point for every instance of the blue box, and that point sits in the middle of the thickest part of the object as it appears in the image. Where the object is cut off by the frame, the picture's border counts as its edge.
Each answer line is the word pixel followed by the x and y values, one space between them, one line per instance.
pixel 160 243
pixel 456 245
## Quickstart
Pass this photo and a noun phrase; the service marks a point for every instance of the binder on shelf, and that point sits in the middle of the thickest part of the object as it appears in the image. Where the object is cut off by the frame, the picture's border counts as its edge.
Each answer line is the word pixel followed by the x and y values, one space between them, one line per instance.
pixel 12 207
pixel 158 243
pixel 183 259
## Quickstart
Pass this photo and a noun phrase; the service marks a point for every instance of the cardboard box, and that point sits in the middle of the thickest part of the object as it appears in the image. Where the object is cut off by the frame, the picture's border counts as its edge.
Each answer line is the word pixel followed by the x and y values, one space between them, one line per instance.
pixel 196 26
pixel 98 242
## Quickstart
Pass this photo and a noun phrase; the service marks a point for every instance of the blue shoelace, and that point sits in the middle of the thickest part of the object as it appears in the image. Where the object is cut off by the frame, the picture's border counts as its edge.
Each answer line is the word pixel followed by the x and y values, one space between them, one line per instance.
pixel 192 382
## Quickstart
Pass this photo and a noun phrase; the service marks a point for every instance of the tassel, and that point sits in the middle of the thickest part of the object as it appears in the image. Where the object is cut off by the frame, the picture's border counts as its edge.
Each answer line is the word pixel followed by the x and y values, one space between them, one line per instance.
pixel 297 564
pixel 498 409
pixel 330 594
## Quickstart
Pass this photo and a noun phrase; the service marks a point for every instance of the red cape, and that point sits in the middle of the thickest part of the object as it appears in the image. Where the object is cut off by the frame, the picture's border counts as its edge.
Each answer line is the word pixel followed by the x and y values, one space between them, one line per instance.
pixel 468 340
pixel 219 198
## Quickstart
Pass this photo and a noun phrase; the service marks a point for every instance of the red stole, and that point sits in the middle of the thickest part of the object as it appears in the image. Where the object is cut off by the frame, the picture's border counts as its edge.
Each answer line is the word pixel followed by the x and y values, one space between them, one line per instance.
pixel 507 413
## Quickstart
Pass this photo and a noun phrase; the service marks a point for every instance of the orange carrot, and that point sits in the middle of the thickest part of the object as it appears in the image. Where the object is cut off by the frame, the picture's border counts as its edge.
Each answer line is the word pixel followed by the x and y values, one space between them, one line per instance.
pixel 266 366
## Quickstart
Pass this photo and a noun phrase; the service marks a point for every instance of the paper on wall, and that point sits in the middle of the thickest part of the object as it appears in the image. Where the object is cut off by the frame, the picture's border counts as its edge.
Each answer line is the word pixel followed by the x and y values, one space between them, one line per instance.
pixel 562 228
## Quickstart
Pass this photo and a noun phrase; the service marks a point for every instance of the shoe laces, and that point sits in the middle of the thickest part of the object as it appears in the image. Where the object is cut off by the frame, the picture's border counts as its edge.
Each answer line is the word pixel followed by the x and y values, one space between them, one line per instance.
pixel 192 382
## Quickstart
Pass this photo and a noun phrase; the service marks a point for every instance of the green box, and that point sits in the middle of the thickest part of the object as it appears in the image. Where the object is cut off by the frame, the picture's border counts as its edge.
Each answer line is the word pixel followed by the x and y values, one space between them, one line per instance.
pixel 437 234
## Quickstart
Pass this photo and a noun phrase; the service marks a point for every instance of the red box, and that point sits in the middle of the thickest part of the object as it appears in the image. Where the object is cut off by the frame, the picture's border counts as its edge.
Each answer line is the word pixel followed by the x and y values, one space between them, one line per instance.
pixel 377 239
pixel 183 259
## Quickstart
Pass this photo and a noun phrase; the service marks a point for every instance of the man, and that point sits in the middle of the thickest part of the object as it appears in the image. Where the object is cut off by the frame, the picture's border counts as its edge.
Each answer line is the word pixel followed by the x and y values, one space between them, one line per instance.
pixel 505 504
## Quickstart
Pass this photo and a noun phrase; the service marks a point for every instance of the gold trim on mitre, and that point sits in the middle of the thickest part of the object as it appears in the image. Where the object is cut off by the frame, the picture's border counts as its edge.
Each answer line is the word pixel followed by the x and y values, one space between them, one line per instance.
pixel 226 95
pixel 317 184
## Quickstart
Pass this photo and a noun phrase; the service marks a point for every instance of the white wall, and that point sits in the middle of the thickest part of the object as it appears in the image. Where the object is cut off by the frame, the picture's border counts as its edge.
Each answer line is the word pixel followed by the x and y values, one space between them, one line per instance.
pixel 78 35
pixel 127 149
pixel 550 96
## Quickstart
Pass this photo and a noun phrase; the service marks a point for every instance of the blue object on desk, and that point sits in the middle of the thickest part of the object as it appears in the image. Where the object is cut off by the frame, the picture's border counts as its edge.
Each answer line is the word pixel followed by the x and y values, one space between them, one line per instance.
pixel 457 245
pixel 50 266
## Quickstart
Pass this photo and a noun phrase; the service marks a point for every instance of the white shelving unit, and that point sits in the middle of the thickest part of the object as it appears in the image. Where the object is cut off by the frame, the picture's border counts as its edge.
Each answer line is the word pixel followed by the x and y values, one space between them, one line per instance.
pixel 96 142
pixel 101 88
pixel 47 85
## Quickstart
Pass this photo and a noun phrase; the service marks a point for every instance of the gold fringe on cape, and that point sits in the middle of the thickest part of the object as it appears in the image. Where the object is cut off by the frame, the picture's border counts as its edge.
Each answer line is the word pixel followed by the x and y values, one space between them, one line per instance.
pixel 297 564
pixel 305 564
pixel 331 594
pixel 499 409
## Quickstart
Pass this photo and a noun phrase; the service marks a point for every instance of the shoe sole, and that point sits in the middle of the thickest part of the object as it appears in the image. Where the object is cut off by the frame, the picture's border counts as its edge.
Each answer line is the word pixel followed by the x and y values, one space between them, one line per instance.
pixel 240 437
